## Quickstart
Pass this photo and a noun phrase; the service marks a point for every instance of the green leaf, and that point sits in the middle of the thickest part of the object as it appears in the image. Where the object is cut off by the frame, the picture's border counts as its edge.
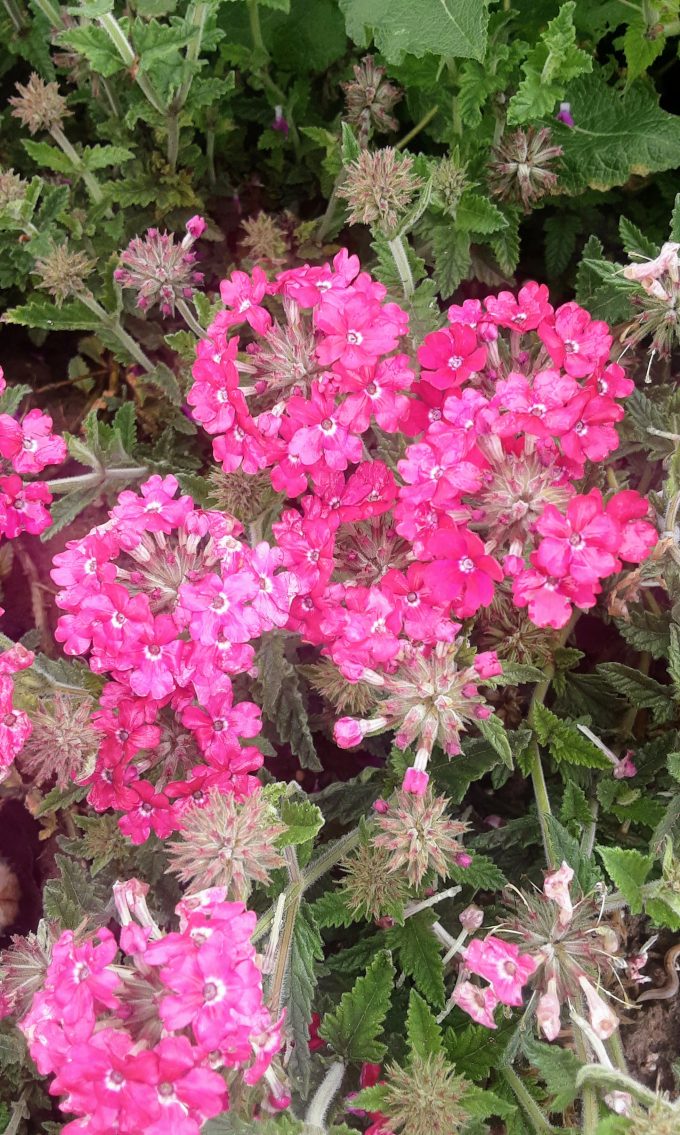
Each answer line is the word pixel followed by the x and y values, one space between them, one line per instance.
pixel 645 631
pixel 352 1030
pixel 349 147
pixel 617 134
pixel 475 1050
pixel 451 256
pixel 628 869
pixel 477 214
pixel 306 949
pixel 635 242
pixel 554 62
pixel 454 29
pixel 575 806
pixel 493 731
pixel 559 1068
pixel 283 704
pixel 480 1104
pixel 423 1032
pixel 674 658
pixel 11 397
pixel 560 241
pixel 675 220
pixel 42 313
pixel 505 244
pixel 640 48
pixel 455 775
pixel 95 45
pixel 47 156
pixel 642 691
pixel 481 875
pixel 99 157
pixel 331 910
pixel 303 820
pixel 73 895
pixel 563 740
pixel 66 508
pixel 567 848
pixel 420 955
pixel 59 798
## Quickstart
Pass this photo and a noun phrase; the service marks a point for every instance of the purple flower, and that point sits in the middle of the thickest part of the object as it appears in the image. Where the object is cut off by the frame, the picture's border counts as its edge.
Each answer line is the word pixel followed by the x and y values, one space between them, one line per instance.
pixel 564 114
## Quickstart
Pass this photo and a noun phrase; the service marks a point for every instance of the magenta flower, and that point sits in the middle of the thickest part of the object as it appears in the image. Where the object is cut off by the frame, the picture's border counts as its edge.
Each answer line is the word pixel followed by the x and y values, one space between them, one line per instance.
pixel 449 357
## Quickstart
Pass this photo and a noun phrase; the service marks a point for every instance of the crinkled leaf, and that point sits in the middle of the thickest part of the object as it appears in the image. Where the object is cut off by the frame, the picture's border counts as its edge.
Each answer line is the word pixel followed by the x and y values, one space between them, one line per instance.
pixel 558 1067
pixel 448 28
pixel 634 241
pixel 303 820
pixel 48 157
pixel 282 699
pixel 331 909
pixel 353 1028
pixel 475 1050
pixel 493 731
pixel 423 1032
pixel 641 691
pixel 419 955
pixel 564 741
pixel 628 870
pixel 42 313
pixel 306 950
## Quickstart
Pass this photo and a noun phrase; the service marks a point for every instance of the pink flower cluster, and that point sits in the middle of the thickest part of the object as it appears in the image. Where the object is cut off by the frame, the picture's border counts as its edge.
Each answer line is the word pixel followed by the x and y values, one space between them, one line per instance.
pixel 167 600
pixel 15 725
pixel 135 1034
pixel 506 970
pixel 27 447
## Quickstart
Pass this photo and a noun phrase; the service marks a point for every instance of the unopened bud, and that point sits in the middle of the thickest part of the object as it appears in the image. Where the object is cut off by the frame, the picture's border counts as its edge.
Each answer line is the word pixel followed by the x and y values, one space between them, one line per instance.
pixel 471 918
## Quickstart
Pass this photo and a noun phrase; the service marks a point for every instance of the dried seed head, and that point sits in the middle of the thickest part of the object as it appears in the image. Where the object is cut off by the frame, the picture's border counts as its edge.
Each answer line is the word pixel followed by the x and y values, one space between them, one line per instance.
pixel 370 890
pixel 450 181
pixel 264 240
pixel 344 696
pixel 369 98
pixel 521 166
pixel 378 187
pixel 63 745
pixel 12 187
pixel 227 844
pixel 244 495
pixel 660 1119
pixel 419 836
pixel 62 271
pixel 425 1098
pixel 39 106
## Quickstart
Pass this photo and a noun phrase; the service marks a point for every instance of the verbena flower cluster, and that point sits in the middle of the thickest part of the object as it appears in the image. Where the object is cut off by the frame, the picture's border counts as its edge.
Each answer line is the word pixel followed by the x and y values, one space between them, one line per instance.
pixel 27 447
pixel 166 600
pixel 135 1032
pixel 512 403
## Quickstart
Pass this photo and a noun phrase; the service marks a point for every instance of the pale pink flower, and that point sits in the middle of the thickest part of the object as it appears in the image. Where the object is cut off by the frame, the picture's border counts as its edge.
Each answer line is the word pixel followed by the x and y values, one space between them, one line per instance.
pixel 556 887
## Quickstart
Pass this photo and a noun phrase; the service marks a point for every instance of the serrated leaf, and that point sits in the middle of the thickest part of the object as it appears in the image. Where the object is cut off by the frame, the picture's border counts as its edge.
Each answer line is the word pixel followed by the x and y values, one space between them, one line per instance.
pixel 628 870
pixel 303 820
pixel 505 244
pixel 640 690
pixel 475 1050
pixel 451 256
pixel 349 146
pixel 560 241
pixel 634 241
pixel 674 233
pixel 306 950
pixel 455 29
pixel 72 896
pixel 482 874
pixel 423 1033
pixel 566 848
pixel 419 955
pixel 48 157
pixel 95 45
pixel 58 798
pixel 99 157
pixel 575 806
pixel 646 632
pixel 282 700
pixel 66 508
pixel 478 215
pixel 616 135
pixel 331 909
pixel 40 312
pixel 558 1067
pixel 481 1104
pixel 555 60
pixel 640 48
pixel 493 731
pixel 11 398
pixel 353 1028
pixel 564 741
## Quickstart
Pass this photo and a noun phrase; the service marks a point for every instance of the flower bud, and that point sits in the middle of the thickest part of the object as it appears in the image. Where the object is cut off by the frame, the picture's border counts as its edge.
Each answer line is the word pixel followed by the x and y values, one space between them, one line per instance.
pixel 471 918
pixel 556 887
pixel 602 1018
pixel 548 1012
pixel 415 781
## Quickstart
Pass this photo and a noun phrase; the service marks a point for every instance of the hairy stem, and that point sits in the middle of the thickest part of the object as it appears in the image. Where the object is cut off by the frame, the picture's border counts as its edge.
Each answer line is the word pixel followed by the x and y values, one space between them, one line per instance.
pixel 51 11
pixel 590 1112
pixel 315 1119
pixel 90 180
pixel 126 52
pixel 96 477
pixel 420 125
pixel 400 256
pixel 15 15
pixel 189 318
pixel 113 324
pixel 528 1105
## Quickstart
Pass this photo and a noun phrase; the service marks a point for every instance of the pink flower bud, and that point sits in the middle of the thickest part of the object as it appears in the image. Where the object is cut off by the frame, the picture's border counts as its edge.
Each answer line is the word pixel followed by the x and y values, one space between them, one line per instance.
pixel 556 887
pixel 369 1075
pixel 494 822
pixel 602 1018
pixel 625 767
pixel 463 859
pixel 384 923
pixel 380 806
pixel 548 1012
pixel 348 732
pixel 619 1102
pixel 564 114
pixel 471 918
pixel 196 226
pixel 415 781
pixel 482 712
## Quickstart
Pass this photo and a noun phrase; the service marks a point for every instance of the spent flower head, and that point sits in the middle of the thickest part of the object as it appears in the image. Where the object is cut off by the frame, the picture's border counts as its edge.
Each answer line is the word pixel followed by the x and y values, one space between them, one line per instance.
pixel 62 271
pixel 370 889
pixel 521 166
pixel 370 98
pixel 243 495
pixel 12 187
pixel 63 745
pixel 39 106
pixel 425 1098
pixel 419 836
pixel 379 186
pixel 227 844
pixel 159 270
pixel 264 239
pixel 450 180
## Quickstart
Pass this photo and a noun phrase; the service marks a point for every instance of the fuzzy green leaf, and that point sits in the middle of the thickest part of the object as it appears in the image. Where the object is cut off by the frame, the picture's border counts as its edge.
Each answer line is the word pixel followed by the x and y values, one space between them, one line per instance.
pixel 73 895
pixel 475 1050
pixel 42 313
pixel 303 820
pixel 634 241
pixel 640 48
pixel 352 1030
pixel 331 909
pixel 451 256
pixel 306 950
pixel 283 704
pixel 423 1032
pixel 617 134
pixel 628 869
pixel 66 508
pixel 560 232
pixel 558 1067
pixel 99 157
pixel 493 731
pixel 554 62
pixel 640 690
pixel 48 157
pixel 477 214
pixel 420 955
pixel 453 29
pixel 563 740
pixel 481 875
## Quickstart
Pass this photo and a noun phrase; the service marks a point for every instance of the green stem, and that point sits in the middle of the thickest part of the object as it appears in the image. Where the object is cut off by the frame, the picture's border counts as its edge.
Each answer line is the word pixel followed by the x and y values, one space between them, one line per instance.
pixel 210 156
pixel 190 319
pixel 97 477
pixel 126 52
pixel 529 1106
pixel 327 219
pixel 616 1048
pixel 51 11
pixel 15 15
pixel 327 858
pixel 113 324
pixel 256 27
pixel 424 121
pixel 537 775
pixel 315 1119
pixel 610 1079
pixel 196 17
pixel 285 943
pixel 73 155
pixel 590 1112
pixel 172 126
pixel 400 257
